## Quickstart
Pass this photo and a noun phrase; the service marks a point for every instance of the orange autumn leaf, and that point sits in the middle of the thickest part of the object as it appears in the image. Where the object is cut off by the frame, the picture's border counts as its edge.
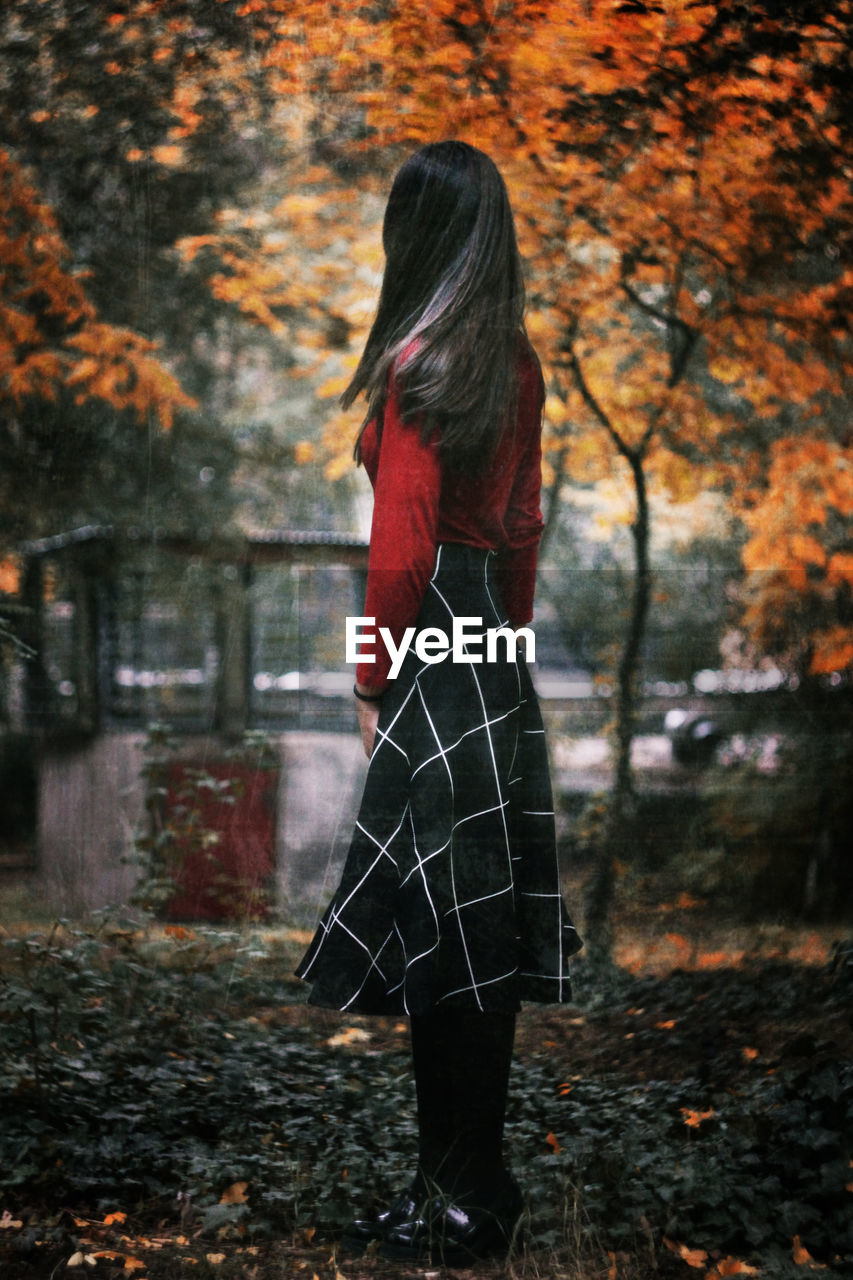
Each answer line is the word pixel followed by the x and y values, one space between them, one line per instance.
pixel 178 932
pixel 235 1194
pixel 731 1267
pixel 693 1257
pixel 682 946
pixel 716 959
pixel 350 1035
pixel 693 1119
pixel 113 1255
pixel 551 1141
pixel 10 575
pixel 833 650
pixel 805 547
pixel 801 1255
pixel 169 155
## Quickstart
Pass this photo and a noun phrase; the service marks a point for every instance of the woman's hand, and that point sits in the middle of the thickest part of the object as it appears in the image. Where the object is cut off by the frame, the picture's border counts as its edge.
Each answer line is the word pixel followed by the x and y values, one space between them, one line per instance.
pixel 368 717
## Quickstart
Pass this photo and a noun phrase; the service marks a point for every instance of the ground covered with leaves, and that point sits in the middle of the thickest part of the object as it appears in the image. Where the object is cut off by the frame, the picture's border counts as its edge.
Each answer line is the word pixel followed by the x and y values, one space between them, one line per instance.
pixel 171 1107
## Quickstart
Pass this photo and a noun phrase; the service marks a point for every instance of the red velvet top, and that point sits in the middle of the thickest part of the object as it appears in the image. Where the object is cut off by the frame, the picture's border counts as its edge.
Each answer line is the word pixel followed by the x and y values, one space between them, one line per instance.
pixel 418 504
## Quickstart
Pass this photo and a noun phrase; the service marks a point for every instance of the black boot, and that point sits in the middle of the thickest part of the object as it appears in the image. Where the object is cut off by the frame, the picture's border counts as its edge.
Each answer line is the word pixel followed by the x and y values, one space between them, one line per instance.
pixel 469 1203
pixel 363 1231
pixel 449 1233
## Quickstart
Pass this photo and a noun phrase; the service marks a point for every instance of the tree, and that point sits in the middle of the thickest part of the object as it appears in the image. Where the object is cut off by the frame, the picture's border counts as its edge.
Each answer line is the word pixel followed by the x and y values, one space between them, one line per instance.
pixel 681 173
pixel 56 356
pixel 126 128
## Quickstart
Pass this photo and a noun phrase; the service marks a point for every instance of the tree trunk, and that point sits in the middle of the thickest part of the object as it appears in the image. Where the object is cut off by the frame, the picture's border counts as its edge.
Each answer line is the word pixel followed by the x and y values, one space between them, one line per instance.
pixel 621 804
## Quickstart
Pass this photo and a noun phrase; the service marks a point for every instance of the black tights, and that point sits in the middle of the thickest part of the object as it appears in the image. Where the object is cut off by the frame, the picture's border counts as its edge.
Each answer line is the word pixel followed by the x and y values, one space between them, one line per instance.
pixel 461 1062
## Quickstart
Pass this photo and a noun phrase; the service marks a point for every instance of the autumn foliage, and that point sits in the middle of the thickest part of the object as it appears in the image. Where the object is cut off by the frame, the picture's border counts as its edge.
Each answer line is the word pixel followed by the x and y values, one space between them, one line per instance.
pixel 49 333
pixel 108 122
pixel 682 178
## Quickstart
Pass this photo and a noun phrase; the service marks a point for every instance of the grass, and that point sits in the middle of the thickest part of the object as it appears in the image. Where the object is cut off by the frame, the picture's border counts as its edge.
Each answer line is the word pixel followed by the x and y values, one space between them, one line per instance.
pixel 171 1107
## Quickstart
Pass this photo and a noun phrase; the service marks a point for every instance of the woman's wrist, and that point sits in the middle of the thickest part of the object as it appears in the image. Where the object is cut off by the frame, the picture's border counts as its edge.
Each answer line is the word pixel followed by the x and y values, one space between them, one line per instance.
pixel 365 693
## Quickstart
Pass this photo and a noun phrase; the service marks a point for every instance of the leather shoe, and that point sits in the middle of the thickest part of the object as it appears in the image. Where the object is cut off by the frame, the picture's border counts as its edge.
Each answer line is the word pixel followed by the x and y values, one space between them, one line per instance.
pixel 454 1234
pixel 363 1231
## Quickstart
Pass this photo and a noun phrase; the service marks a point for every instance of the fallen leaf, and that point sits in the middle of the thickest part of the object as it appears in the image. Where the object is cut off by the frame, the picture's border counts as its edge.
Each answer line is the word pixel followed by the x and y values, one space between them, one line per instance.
pixel 802 1257
pixel 552 1142
pixel 352 1035
pixel 178 932
pixel 731 1267
pixel 693 1119
pixel 215 1258
pixel 693 1257
pixel 235 1194
pixel 7 1222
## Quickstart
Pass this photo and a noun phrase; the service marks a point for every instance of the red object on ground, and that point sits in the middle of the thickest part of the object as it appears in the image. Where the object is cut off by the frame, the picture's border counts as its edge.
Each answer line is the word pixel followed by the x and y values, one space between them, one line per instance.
pixel 224 817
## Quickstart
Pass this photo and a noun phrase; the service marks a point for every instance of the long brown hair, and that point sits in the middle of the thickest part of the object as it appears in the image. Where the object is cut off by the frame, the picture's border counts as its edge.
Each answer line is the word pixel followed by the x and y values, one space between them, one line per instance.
pixel 451 306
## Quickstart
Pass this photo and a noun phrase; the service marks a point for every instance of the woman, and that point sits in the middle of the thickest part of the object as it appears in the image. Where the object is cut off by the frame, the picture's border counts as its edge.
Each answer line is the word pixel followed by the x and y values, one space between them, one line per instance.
pixel 449 908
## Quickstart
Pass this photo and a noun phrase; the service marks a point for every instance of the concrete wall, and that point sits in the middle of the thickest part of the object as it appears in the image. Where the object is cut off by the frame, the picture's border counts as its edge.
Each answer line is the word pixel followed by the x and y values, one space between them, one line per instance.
pixel 321 781
pixel 91 807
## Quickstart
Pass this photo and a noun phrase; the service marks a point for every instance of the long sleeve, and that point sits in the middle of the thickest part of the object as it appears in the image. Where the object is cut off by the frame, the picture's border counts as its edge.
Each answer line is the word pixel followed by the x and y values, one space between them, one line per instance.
pixel 523 525
pixel 403 536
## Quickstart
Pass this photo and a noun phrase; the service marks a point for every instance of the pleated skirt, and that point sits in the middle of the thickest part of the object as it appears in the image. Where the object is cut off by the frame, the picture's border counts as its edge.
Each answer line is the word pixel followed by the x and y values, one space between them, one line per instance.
pixel 450 892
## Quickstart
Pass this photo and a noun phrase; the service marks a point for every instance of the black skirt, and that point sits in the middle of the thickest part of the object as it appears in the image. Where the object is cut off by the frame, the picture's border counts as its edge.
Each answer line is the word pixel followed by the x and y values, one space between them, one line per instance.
pixel 450 892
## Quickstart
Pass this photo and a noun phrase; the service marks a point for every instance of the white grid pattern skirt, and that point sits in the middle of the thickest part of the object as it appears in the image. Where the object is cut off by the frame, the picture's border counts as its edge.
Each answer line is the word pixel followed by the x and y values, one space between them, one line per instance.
pixel 450 892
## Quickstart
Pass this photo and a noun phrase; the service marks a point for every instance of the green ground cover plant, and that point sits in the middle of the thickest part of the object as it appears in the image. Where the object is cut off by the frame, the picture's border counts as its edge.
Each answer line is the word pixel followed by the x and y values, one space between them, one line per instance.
pixel 175 1078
